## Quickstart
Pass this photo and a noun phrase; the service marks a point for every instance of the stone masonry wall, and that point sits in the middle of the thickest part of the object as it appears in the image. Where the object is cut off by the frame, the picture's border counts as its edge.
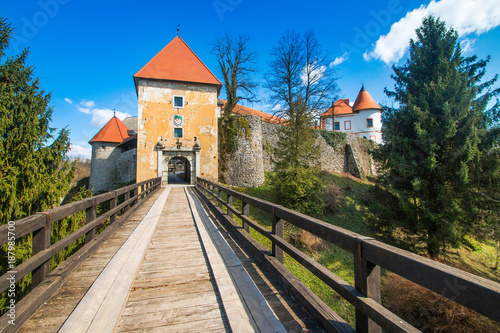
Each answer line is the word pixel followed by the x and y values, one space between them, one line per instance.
pixel 245 165
pixel 126 167
pixel 254 156
pixel 110 167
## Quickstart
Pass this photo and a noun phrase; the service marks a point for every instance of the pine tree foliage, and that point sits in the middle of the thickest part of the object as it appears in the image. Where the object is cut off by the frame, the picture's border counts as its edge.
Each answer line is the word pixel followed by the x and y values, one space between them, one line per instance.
pixel 296 146
pixel 437 138
pixel 35 173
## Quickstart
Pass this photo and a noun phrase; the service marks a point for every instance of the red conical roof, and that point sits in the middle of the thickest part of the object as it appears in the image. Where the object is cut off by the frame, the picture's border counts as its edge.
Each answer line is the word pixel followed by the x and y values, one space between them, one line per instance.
pixel 364 101
pixel 114 131
pixel 177 62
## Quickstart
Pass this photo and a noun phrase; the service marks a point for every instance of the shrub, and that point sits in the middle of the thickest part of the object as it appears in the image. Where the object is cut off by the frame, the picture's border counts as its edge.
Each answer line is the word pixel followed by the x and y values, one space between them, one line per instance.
pixel 333 197
pixel 299 188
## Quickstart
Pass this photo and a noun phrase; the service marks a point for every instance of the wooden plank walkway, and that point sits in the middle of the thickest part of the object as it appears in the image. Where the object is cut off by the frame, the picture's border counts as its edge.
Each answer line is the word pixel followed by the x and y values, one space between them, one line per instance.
pixel 168 269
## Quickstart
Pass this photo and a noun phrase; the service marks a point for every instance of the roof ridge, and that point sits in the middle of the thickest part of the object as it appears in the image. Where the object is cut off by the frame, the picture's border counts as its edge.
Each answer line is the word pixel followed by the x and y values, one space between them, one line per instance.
pixel 177 44
pixel 118 126
pixel 157 53
pixel 208 69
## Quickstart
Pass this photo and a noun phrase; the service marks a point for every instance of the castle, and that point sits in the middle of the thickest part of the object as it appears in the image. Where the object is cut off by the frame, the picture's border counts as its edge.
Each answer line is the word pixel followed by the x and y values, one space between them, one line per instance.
pixel 363 119
pixel 178 109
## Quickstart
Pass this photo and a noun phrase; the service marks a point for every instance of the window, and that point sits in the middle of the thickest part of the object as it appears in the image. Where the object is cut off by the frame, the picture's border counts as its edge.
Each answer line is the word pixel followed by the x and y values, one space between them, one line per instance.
pixel 369 122
pixel 177 132
pixel 178 102
pixel 372 137
pixel 337 126
pixel 347 125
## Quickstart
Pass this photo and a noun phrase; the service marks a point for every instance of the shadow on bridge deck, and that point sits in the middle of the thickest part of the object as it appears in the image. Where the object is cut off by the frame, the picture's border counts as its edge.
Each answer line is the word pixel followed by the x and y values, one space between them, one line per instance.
pixel 169 268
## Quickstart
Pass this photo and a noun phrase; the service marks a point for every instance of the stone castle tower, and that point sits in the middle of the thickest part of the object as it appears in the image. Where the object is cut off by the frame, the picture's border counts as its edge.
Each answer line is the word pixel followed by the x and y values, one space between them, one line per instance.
pixel 113 156
pixel 177 114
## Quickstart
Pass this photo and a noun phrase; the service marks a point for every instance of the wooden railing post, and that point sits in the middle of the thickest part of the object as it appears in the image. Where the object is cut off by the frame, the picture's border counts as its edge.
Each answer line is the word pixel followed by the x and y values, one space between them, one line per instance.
pixel 277 229
pixel 127 196
pixel 367 282
pixel 90 216
pixel 230 203
pixel 245 209
pixel 135 192
pixel 112 205
pixel 220 200
pixel 40 242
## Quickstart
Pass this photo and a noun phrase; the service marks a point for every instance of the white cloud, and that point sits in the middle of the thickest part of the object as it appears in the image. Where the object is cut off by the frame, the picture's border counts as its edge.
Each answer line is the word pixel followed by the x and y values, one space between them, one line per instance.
pixel 84 110
pixel 315 73
pixel 67 100
pixel 101 116
pixel 77 150
pixel 88 104
pixel 465 16
pixel 277 108
pixel 467 45
pixel 339 60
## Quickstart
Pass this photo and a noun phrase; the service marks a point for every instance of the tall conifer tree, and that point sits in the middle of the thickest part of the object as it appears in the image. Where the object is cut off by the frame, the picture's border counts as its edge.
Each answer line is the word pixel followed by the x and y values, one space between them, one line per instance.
pixel 35 173
pixel 436 138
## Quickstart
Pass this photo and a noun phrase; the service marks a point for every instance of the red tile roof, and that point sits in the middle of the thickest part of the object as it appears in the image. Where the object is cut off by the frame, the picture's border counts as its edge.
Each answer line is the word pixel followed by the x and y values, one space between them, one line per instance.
pixel 364 101
pixel 114 131
pixel 243 110
pixel 341 106
pixel 177 62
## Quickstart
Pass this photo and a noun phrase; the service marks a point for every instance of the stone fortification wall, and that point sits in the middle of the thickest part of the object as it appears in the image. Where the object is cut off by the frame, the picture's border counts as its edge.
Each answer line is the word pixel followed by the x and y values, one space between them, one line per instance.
pixel 110 167
pixel 254 155
pixel 245 166
pixel 126 167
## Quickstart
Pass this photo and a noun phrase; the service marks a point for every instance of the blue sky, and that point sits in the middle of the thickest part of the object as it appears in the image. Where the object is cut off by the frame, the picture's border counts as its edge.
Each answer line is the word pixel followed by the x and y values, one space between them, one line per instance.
pixel 85 52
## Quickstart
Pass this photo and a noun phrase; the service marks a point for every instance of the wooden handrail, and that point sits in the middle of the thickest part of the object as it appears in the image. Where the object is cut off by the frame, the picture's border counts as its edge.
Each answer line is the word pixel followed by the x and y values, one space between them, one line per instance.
pixel 40 225
pixel 477 293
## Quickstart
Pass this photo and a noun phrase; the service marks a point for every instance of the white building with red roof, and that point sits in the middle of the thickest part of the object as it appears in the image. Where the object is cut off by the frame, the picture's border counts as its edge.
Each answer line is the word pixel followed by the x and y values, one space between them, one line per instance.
pixel 363 119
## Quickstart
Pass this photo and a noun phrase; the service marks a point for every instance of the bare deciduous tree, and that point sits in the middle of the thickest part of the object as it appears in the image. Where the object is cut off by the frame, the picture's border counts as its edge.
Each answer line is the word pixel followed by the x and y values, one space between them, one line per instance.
pixel 236 64
pixel 300 69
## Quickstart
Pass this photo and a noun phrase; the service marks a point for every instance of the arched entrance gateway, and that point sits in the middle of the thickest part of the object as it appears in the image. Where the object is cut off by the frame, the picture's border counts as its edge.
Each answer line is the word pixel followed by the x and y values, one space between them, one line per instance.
pixel 179 169
pixel 184 161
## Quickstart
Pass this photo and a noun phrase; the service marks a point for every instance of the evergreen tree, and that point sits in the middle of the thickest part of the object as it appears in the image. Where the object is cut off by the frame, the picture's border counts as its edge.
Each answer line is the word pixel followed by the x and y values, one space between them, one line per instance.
pixel 35 173
pixel 435 140
pixel 297 144
pixel 34 170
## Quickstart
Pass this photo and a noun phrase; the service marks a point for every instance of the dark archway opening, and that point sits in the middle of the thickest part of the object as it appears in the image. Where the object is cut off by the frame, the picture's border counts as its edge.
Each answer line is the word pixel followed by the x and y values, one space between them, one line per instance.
pixel 179 171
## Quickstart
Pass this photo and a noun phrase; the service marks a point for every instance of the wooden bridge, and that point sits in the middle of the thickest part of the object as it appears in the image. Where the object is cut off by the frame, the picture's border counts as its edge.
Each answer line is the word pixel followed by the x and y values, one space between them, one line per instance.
pixel 181 259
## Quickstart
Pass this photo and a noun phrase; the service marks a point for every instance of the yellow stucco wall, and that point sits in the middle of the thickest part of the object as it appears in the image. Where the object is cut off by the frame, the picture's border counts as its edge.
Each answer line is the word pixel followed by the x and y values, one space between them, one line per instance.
pixel 155 123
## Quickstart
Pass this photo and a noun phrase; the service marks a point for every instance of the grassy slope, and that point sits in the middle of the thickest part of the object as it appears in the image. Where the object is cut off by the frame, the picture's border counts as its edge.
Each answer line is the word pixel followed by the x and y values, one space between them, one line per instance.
pixel 352 214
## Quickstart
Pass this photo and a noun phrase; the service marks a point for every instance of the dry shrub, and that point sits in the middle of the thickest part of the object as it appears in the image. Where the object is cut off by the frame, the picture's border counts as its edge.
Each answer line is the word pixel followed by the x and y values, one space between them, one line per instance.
pixel 305 241
pixel 82 169
pixel 429 311
pixel 333 197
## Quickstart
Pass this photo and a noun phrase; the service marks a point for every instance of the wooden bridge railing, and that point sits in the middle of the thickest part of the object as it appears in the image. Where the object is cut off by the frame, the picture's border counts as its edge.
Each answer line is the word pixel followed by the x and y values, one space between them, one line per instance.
pixel 39 225
pixel 478 294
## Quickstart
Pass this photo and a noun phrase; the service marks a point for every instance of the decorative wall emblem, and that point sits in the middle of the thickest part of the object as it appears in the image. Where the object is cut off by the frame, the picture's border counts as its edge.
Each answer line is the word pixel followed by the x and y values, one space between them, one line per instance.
pixel 178 120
